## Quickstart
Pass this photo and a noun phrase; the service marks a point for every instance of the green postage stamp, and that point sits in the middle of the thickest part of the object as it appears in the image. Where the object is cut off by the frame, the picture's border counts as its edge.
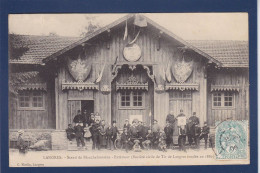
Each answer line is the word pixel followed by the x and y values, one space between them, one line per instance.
pixel 232 140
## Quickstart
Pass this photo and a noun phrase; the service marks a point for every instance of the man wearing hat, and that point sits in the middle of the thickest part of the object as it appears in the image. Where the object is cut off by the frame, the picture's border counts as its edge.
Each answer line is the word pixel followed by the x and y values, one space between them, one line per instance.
pixel 205 134
pixel 95 134
pixel 127 125
pixel 78 118
pixel 79 133
pixel 20 142
pixel 85 117
pixel 194 129
pixel 115 131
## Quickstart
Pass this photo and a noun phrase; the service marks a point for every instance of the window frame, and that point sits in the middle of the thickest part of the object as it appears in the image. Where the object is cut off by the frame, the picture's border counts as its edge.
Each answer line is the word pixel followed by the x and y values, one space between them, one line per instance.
pixel 222 101
pixel 131 100
pixel 182 94
pixel 31 101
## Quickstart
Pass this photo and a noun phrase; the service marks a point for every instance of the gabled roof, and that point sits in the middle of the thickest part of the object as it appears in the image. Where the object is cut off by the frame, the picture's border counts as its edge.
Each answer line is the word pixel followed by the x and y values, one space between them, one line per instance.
pixel 121 20
pixel 229 53
pixel 40 47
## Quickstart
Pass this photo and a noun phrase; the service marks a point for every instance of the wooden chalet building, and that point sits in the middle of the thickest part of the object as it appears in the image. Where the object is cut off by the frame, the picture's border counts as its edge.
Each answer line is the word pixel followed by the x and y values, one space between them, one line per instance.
pixel 130 68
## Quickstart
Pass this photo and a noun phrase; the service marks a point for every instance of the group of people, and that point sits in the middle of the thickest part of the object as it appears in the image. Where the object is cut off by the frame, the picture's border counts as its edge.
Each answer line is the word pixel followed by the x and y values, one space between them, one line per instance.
pixel 138 135
pixel 92 127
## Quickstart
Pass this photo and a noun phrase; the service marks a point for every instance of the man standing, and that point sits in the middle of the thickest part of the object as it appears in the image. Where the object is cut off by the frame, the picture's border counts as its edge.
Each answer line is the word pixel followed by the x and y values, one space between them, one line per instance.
pixel 86 118
pixel 170 118
pixel 168 130
pixel 205 134
pixel 195 129
pixel 181 118
pixel 79 134
pixel 78 118
pixel 95 134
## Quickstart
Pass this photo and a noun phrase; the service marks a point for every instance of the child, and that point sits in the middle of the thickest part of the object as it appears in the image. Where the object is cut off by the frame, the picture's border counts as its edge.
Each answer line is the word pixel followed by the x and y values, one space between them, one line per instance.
pixel 79 132
pixel 149 139
pixel 162 143
pixel 205 134
pixel 87 133
pixel 136 146
pixel 70 133
pixel 20 142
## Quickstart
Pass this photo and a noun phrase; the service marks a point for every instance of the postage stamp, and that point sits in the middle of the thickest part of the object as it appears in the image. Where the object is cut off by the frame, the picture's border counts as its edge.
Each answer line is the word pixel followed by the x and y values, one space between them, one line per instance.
pixel 232 140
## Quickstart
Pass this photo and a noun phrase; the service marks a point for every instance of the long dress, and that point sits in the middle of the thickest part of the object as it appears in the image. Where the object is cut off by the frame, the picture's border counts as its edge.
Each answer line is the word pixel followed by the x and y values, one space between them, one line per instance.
pixel 102 136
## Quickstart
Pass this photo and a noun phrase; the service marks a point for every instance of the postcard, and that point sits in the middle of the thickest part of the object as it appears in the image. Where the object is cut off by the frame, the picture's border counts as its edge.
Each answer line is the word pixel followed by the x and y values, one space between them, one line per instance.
pixel 138 89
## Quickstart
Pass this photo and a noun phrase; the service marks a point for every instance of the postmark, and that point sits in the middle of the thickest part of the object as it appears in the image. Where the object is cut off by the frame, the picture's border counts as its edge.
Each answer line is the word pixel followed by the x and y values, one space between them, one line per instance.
pixel 231 140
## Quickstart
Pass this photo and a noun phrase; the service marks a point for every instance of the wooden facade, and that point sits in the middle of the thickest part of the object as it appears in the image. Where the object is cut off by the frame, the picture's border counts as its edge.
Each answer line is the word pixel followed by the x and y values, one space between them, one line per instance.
pixel 104 51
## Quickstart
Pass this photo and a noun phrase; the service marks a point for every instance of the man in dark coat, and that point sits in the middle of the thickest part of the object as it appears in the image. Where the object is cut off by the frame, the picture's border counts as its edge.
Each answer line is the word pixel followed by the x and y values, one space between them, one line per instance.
pixel 190 132
pixel 109 135
pixel 205 134
pixel 194 130
pixel 144 131
pixel 78 118
pixel 20 142
pixel 95 134
pixel 170 118
pixel 126 140
pixel 70 132
pixel 86 118
pixel 134 131
pixel 115 131
pixel 168 130
pixel 79 134
pixel 127 125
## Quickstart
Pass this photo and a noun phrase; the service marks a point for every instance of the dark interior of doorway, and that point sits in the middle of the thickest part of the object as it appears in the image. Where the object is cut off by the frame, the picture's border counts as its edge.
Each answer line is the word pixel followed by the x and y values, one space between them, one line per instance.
pixel 87 105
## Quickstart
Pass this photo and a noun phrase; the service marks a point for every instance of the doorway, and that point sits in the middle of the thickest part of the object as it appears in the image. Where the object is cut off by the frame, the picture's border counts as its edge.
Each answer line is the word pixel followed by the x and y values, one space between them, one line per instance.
pixel 75 105
pixel 87 105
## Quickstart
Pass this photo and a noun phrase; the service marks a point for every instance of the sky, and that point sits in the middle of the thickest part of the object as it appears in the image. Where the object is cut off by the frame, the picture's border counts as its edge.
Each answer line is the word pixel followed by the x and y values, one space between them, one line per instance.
pixel 189 26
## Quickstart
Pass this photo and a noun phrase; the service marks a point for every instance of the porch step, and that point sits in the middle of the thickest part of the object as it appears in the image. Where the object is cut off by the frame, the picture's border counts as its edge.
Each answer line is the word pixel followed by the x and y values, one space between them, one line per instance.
pixel 72 146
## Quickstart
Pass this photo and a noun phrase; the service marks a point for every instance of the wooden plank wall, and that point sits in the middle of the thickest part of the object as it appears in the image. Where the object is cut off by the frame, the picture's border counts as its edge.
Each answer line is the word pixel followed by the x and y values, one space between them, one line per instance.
pixel 104 50
pixel 34 119
pixel 230 77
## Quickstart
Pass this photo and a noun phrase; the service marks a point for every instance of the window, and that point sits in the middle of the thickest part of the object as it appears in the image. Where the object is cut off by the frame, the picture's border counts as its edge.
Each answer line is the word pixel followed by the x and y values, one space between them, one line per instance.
pixel 31 100
pixel 180 95
pixel 37 99
pixel 223 100
pixel 131 99
pixel 125 98
pixel 24 99
pixel 137 98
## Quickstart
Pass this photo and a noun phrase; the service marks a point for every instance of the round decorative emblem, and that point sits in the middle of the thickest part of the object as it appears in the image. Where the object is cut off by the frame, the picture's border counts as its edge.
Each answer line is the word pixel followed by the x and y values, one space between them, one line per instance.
pixel 132 52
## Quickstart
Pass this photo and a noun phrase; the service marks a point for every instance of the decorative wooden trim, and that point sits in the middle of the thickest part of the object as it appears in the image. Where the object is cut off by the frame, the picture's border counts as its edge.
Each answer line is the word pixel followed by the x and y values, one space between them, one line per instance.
pixel 182 86
pixel 33 86
pixel 79 86
pixel 224 88
pixel 132 84
pixel 150 75
pixel 115 72
pixel 159 89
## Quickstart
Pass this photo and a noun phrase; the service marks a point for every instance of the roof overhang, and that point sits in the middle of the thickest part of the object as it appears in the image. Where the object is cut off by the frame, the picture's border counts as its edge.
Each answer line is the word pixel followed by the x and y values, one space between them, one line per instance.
pixel 119 21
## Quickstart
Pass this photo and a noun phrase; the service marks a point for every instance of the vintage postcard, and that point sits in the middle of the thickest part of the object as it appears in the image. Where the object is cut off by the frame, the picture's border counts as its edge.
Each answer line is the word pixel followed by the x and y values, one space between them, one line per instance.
pixel 138 89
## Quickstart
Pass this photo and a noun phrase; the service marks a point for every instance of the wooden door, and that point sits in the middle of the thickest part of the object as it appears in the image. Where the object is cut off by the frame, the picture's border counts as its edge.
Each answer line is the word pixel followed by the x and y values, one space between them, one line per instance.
pixel 180 100
pixel 73 107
